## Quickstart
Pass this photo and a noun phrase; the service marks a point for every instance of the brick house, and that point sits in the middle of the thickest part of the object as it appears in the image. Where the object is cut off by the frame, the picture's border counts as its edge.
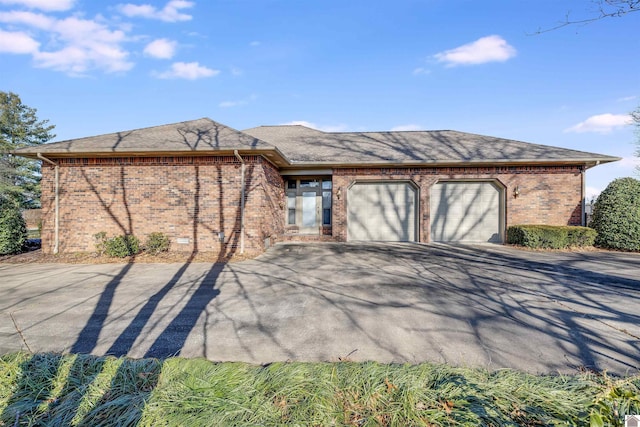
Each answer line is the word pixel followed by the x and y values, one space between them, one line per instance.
pixel 213 188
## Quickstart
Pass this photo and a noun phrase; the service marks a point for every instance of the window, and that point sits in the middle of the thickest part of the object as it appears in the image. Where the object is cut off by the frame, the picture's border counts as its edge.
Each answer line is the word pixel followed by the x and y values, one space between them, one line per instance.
pixel 326 207
pixel 291 209
pixel 309 183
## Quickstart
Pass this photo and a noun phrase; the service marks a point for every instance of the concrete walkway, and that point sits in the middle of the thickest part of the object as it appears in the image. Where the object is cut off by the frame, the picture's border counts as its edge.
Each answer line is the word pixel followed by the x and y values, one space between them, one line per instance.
pixel 488 306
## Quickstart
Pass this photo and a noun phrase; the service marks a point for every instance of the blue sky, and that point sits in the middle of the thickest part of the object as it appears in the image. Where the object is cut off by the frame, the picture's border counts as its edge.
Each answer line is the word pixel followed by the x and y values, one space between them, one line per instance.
pixel 93 67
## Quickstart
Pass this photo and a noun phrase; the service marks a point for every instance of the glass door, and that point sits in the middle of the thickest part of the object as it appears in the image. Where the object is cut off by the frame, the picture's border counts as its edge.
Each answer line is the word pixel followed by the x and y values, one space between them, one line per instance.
pixel 309 209
pixel 308 204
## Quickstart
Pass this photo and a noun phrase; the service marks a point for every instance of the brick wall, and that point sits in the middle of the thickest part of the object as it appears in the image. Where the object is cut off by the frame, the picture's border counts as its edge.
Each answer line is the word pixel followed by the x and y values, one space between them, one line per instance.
pixel 195 198
pixel 548 195
pixel 191 198
pixel 264 215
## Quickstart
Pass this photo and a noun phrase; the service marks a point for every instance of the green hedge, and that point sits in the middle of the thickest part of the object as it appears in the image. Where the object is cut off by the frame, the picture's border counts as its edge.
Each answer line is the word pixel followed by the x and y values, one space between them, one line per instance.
pixel 616 215
pixel 550 236
pixel 13 231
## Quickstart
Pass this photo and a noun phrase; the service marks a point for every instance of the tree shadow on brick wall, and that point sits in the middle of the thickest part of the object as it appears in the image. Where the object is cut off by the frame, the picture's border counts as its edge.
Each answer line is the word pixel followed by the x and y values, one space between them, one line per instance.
pixel 88 337
pixel 171 340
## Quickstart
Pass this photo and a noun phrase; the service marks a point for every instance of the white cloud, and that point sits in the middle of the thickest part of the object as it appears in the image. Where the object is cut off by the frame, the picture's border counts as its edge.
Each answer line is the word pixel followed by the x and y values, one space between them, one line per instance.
pixel 486 49
pixel 228 104
pixel 327 128
pixel 49 5
pixel 300 123
pixel 169 13
pixel 601 123
pixel 187 70
pixel 161 49
pixel 404 128
pixel 16 42
pixel 627 98
pixel 31 19
pixel 421 71
pixel 72 45
pixel 238 103
pixel 87 45
pixel 255 43
pixel 629 162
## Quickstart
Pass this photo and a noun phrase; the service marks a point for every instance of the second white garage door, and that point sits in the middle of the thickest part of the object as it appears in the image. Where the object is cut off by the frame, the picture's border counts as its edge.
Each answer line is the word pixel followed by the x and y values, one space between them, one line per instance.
pixel 382 211
pixel 465 212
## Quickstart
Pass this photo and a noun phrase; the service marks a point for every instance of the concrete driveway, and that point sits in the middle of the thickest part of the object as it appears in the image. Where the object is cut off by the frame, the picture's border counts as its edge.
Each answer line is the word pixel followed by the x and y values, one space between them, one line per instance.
pixel 488 306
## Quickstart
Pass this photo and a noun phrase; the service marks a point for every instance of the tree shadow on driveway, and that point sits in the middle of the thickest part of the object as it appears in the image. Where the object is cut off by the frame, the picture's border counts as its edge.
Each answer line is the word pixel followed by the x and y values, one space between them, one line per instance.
pixel 487 306
pixel 481 305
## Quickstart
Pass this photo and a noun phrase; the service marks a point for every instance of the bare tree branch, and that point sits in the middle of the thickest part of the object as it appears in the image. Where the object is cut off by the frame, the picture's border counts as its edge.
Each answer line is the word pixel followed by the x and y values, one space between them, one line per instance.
pixel 24 340
pixel 604 9
pixel 635 118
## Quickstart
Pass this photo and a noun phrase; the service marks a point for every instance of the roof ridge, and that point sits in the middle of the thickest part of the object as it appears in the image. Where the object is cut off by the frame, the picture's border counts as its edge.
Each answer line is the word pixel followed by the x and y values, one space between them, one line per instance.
pixel 286 126
pixel 398 131
pixel 141 129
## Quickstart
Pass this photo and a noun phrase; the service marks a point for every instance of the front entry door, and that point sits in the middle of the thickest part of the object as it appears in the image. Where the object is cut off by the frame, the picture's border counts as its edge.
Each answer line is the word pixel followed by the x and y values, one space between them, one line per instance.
pixel 310 214
pixel 308 204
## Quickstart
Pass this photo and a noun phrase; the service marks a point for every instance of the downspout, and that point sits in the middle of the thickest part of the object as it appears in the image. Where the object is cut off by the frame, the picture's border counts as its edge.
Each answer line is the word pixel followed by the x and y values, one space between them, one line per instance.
pixel 242 190
pixel 56 238
pixel 583 221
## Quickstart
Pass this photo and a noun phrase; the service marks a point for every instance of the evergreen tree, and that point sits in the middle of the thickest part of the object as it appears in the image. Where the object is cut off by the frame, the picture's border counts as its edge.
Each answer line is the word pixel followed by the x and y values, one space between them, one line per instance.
pixel 20 127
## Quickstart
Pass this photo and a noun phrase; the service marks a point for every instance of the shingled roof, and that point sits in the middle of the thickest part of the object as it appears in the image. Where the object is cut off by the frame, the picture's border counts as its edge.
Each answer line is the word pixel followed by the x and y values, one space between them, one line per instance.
pixel 302 145
pixel 201 135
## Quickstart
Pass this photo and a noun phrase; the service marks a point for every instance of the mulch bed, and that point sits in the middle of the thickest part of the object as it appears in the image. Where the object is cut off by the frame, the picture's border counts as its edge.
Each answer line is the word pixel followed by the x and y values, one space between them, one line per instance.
pixel 36 256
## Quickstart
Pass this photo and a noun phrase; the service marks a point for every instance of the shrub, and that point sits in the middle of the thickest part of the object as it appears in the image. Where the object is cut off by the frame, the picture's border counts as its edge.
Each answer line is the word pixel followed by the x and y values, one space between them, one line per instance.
pixel 13 230
pixel 616 215
pixel 118 246
pixel 581 236
pixel 550 236
pixel 156 243
pixel 101 242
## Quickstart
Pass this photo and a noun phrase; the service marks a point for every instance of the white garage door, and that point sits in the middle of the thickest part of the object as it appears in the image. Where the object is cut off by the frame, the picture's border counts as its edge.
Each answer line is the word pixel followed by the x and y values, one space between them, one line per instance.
pixel 465 212
pixel 382 211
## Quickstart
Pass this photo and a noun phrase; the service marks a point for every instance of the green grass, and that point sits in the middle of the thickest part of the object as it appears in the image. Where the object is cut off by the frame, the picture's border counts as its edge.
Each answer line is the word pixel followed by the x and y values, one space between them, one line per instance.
pixel 60 390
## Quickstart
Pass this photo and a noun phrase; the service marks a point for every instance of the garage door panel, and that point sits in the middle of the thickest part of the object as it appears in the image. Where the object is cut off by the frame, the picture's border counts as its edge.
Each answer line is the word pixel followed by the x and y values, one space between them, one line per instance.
pixel 381 212
pixel 465 212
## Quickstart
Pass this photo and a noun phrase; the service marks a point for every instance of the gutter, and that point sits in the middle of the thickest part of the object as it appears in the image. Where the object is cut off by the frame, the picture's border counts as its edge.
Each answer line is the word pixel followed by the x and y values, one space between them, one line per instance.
pixel 587 163
pixel 242 192
pixel 56 238
pixel 277 157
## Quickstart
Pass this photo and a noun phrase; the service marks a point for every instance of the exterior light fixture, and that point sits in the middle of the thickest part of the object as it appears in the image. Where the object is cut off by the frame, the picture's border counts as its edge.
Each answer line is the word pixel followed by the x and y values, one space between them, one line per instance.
pixel 221 236
pixel 338 194
pixel 516 192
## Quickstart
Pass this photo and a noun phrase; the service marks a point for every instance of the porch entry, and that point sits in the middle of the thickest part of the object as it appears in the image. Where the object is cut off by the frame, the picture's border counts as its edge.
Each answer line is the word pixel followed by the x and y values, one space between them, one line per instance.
pixel 308 204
